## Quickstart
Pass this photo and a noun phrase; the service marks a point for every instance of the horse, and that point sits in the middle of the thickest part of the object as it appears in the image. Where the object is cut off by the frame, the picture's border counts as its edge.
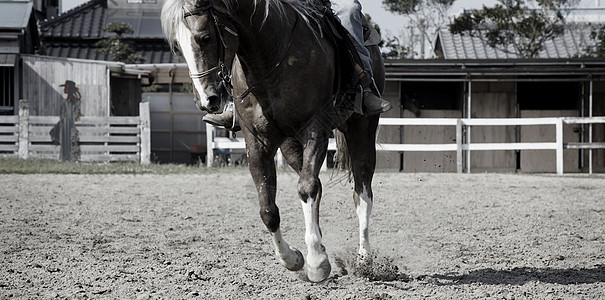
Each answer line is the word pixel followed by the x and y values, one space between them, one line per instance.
pixel 272 59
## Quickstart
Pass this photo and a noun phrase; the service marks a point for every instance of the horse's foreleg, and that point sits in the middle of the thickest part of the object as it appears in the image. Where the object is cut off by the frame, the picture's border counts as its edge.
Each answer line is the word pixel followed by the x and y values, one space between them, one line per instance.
pixel 309 190
pixel 262 169
pixel 290 257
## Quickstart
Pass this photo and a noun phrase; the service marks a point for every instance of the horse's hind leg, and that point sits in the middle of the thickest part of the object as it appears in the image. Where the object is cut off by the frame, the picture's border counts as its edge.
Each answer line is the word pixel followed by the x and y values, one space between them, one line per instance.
pixel 360 136
pixel 262 169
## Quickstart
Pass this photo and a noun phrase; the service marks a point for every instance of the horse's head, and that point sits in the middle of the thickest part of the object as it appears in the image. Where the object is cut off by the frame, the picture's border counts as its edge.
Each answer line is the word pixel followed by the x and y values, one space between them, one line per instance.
pixel 204 33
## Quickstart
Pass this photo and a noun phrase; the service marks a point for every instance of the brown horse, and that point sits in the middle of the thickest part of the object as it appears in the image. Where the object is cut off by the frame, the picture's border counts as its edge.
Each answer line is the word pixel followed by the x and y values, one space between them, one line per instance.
pixel 282 70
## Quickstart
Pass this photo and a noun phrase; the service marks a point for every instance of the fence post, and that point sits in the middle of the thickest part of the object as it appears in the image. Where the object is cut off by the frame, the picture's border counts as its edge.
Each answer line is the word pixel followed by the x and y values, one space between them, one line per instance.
pixel 145 133
pixel 23 129
pixel 209 145
pixel 559 130
pixel 459 152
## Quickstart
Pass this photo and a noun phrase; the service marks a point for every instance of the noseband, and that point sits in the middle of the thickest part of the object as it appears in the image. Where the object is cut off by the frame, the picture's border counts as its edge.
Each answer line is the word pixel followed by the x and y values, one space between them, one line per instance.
pixel 224 73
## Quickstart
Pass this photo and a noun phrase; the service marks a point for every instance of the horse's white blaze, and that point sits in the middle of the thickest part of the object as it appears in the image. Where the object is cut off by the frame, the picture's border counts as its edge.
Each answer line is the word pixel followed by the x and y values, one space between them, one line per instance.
pixel 183 36
pixel 364 209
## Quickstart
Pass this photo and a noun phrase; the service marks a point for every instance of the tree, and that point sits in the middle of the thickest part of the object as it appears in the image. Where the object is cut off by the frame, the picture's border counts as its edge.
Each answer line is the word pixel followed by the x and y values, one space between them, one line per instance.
pixel 395 50
pixel 426 16
pixel 597 34
pixel 122 50
pixel 513 23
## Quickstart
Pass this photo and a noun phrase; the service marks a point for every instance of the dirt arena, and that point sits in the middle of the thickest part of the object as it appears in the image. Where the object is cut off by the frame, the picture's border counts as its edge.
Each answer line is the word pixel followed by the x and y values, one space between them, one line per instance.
pixel 441 236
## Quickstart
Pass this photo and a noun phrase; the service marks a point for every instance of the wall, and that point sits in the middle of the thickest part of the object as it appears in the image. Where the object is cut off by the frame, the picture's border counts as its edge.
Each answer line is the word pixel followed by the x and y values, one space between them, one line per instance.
pixel 390 161
pixel 545 160
pixel 598 130
pixel 493 100
pixel 489 100
pixel 176 126
pixel 430 161
pixel 43 77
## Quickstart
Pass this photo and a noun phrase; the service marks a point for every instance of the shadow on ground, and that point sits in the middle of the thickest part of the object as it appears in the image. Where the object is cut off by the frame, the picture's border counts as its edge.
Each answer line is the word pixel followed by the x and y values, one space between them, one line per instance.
pixel 519 276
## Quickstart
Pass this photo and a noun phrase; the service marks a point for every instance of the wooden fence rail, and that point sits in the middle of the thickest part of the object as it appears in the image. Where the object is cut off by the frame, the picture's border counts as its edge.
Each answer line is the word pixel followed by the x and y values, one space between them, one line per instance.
pixel 101 139
pixel 461 145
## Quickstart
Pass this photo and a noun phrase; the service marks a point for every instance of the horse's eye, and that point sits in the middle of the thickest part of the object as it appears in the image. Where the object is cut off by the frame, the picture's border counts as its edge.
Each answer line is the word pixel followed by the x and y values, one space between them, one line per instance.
pixel 203 39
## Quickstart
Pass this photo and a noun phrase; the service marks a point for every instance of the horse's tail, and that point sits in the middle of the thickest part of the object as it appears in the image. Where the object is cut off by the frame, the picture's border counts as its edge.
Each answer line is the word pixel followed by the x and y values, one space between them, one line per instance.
pixel 342 158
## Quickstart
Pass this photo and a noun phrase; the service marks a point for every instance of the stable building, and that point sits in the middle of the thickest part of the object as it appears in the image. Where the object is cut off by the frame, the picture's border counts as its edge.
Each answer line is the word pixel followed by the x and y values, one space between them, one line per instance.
pixel 18 35
pixel 473 80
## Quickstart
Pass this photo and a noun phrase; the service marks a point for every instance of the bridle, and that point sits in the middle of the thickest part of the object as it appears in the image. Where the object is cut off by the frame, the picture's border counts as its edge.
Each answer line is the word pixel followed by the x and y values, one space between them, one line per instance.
pixel 224 73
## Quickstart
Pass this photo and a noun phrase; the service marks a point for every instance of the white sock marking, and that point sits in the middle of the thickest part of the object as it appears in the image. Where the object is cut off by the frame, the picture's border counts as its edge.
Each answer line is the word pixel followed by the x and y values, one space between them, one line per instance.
pixel 315 255
pixel 364 209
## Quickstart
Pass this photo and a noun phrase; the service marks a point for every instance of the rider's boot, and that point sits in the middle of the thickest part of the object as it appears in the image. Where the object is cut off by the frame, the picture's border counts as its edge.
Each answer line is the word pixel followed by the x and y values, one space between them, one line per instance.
pixel 225 119
pixel 372 103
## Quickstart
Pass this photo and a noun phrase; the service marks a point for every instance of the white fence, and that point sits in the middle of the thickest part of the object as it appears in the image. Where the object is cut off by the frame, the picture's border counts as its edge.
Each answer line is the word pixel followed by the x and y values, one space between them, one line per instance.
pixel 461 144
pixel 101 139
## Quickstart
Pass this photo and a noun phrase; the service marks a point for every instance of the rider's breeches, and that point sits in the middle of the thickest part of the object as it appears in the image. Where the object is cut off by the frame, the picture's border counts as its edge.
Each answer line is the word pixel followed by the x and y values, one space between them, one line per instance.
pixel 350 16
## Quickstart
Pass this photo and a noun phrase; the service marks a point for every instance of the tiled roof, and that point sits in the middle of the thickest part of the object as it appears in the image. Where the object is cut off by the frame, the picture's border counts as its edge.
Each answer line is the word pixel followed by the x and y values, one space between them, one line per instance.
pixel 74 33
pixel 153 51
pixel 84 21
pixel 456 46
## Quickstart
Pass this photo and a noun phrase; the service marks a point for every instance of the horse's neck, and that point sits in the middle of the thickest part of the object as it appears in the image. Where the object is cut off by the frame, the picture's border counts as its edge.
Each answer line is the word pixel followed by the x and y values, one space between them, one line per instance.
pixel 262 42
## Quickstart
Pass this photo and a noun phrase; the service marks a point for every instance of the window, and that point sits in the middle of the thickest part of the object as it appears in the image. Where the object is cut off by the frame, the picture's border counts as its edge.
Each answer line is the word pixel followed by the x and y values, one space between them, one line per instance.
pixel 7 94
pixel 434 95
pixel 549 95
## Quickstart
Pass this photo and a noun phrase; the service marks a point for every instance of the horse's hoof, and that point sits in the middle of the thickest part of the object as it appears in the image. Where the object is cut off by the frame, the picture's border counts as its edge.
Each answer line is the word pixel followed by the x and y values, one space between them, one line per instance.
pixel 320 273
pixel 297 264
pixel 364 260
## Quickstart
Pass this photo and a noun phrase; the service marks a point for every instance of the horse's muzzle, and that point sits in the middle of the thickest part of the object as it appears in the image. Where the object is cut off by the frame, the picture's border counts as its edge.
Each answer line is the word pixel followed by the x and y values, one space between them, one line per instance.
pixel 214 104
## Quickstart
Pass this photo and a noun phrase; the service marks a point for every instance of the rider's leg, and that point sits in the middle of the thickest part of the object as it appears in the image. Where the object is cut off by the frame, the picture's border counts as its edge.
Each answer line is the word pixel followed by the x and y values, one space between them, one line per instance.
pixel 225 119
pixel 350 16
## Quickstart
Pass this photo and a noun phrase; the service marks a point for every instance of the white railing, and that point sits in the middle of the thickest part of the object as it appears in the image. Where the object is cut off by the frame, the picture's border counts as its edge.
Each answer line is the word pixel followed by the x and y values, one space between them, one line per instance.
pixel 460 146
pixel 214 142
pixel 100 139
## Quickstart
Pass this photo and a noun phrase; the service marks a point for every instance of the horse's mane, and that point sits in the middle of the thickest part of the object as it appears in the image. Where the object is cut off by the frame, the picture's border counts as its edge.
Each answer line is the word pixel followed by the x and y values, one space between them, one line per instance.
pixel 173 12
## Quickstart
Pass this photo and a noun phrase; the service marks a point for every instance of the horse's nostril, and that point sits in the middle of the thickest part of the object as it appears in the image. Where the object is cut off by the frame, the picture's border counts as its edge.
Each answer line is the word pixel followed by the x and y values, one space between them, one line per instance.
pixel 214 102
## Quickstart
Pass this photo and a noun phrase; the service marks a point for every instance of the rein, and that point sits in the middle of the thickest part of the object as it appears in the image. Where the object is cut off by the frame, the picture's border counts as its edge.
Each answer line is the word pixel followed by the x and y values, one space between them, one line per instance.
pixel 224 74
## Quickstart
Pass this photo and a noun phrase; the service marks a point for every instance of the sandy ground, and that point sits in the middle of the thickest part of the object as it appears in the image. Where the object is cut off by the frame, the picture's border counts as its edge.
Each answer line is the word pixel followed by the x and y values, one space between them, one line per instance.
pixel 442 236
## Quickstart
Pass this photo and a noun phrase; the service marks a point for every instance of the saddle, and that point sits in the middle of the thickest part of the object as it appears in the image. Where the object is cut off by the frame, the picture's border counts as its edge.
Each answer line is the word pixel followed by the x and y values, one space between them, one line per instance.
pixel 347 89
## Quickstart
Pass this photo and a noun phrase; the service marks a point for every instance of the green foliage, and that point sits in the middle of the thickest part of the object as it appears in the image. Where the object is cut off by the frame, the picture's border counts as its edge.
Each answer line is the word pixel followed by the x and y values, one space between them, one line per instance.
pixel 513 23
pixel 44 166
pixel 395 50
pixel 151 88
pixel 597 34
pixel 186 87
pixel 120 49
pixel 403 7
pixel 425 18
pixel 407 7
